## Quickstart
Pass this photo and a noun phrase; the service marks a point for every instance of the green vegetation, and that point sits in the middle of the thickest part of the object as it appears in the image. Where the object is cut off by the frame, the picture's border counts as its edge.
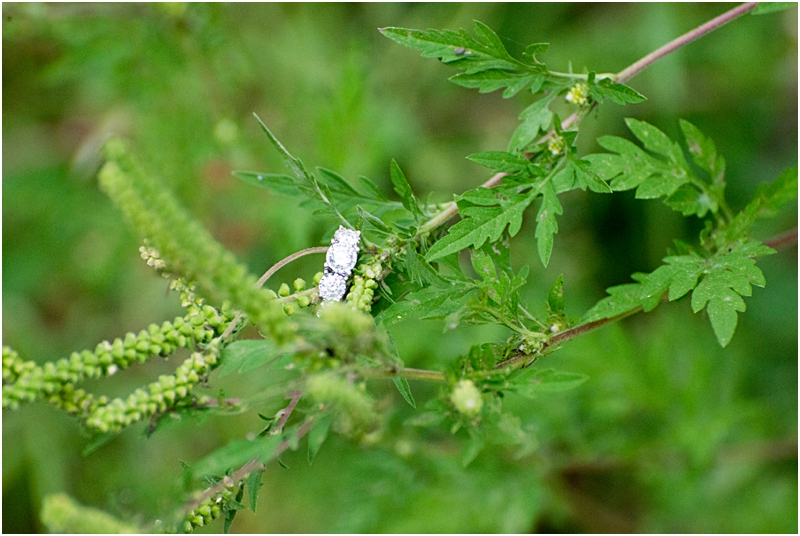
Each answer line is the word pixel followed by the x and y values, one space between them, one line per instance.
pixel 477 378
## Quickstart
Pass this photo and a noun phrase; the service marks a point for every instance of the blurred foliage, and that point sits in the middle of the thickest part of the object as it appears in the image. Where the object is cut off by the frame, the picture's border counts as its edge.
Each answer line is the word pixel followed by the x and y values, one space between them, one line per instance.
pixel 670 434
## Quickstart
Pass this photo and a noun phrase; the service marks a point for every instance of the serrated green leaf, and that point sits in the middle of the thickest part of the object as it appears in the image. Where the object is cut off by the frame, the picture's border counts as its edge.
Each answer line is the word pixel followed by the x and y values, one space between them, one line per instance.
pixel 586 178
pixel 688 200
pixel 490 39
pixel 318 434
pixel 237 453
pixel 427 303
pixel 531 382
pixel 619 93
pixel 703 151
pixel 482 223
pixel 535 118
pixel 405 390
pixel 419 270
pixel 494 79
pixel 625 170
pixel 253 486
pixel 655 140
pixel 504 162
pixel 620 299
pixel 546 225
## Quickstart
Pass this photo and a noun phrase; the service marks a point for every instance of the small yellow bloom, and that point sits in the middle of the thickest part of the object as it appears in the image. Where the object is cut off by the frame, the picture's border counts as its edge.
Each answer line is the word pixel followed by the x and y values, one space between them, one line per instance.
pixel 579 94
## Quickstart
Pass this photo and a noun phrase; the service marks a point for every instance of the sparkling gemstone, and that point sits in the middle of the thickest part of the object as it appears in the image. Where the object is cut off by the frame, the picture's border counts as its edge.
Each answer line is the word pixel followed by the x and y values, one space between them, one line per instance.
pixel 332 287
pixel 347 237
pixel 341 258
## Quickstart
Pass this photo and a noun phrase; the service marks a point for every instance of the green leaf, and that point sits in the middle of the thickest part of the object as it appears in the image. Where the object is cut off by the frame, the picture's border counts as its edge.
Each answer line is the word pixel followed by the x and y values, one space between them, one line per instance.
pixel 404 190
pixel 405 390
pixel 306 183
pixel 482 223
pixel 485 63
pixel 625 170
pixel 555 299
pixel 295 165
pixel 472 448
pixel 530 382
pixel 419 270
pixel 246 355
pixel 703 151
pixel 619 93
pixel 771 7
pixel 767 200
pixel 318 434
pixel 429 302
pixel 729 277
pixel 655 140
pixel 237 453
pixel 546 225
pixel 504 162
pixel 492 80
pixel 253 485
pixel 283 184
pixel 620 299
pixel 689 201
pixel 376 222
pixel 535 118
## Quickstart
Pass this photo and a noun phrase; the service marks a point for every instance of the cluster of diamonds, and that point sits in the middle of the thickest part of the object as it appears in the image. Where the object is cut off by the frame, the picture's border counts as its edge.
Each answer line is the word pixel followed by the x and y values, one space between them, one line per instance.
pixel 339 262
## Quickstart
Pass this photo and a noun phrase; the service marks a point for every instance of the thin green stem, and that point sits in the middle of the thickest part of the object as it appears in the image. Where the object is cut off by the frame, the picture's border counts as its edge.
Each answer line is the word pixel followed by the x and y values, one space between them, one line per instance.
pixel 578 76
pixel 405 373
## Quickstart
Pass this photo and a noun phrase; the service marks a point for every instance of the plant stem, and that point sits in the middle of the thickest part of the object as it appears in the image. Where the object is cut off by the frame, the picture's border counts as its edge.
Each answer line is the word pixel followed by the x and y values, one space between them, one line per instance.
pixel 451 209
pixel 269 273
pixel 785 240
pixel 283 262
pixel 631 71
pixel 405 373
pixel 246 469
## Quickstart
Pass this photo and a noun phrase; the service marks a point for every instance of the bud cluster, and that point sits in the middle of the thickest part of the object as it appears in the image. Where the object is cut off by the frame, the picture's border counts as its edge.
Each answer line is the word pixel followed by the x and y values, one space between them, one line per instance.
pixel 208 510
pixel 365 281
pixel 168 392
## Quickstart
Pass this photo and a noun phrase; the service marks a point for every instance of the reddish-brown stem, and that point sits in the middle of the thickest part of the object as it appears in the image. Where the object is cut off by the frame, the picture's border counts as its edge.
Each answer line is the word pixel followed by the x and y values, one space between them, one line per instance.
pixel 785 240
pixel 631 71
pixel 246 469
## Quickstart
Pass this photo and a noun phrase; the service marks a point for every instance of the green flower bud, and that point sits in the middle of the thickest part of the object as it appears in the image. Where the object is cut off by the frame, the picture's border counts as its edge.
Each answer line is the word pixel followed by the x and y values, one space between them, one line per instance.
pixel 467 398
pixel 318 278
pixel 284 291
pixel 299 284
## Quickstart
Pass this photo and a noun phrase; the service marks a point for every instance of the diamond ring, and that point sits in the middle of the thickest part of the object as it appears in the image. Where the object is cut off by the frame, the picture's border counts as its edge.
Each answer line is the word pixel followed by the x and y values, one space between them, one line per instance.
pixel 339 262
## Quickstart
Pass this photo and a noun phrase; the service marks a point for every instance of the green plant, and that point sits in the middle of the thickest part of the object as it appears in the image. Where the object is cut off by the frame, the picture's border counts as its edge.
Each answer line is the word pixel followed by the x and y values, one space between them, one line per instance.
pixel 409 268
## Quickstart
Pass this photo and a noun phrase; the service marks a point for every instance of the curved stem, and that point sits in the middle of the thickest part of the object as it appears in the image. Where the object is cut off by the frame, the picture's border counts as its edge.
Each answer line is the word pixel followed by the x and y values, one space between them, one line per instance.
pixel 269 273
pixel 703 29
pixel 283 262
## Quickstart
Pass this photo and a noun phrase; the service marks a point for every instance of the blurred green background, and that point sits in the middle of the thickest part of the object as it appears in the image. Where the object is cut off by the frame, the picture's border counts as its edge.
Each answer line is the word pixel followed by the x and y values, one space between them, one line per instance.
pixel 671 433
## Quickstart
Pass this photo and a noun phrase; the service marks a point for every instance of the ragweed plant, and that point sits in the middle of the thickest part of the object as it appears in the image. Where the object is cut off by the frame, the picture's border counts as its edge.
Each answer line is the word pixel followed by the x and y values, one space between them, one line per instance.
pixel 410 267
